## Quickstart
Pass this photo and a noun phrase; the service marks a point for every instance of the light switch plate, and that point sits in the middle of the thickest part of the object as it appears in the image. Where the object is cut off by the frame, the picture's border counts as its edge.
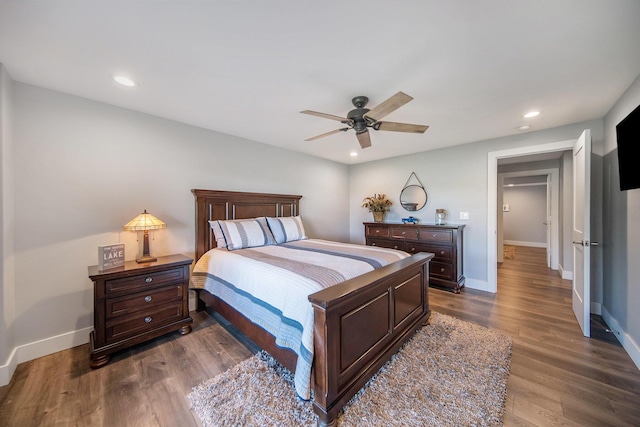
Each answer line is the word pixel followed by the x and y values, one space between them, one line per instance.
pixel 464 215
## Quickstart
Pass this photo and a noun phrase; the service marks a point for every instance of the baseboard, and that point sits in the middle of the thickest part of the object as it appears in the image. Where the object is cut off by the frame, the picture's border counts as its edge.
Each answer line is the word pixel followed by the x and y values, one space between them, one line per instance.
pixel 566 275
pixel 530 244
pixel 630 346
pixel 40 348
pixel 596 308
pixel 481 285
pixel 7 370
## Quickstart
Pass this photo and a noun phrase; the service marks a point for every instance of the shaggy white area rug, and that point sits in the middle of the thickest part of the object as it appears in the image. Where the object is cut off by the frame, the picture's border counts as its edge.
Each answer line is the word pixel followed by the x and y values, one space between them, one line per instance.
pixel 451 373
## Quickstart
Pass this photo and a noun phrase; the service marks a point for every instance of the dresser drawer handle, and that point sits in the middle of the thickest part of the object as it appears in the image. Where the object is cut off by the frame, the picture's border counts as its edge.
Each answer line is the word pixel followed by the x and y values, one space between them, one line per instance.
pixel 148 319
pixel 149 279
pixel 373 244
pixel 148 298
pixel 441 270
pixel 441 252
pixel 413 249
pixel 434 235
pixel 377 231
pixel 404 232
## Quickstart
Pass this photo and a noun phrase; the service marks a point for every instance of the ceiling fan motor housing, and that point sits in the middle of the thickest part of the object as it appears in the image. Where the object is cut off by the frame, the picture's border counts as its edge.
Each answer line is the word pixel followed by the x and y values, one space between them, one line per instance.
pixel 357 116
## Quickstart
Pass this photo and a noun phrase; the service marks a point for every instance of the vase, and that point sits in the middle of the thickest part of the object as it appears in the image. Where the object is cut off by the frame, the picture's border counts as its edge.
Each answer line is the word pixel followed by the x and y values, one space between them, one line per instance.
pixel 378 216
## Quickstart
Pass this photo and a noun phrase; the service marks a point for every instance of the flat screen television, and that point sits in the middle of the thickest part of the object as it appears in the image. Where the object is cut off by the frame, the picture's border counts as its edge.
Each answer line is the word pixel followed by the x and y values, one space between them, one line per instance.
pixel 628 137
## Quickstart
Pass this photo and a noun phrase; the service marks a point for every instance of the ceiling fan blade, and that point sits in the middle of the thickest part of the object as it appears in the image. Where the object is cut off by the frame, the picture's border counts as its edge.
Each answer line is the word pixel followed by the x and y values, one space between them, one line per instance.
pixel 388 106
pixel 327 116
pixel 364 139
pixel 400 127
pixel 313 138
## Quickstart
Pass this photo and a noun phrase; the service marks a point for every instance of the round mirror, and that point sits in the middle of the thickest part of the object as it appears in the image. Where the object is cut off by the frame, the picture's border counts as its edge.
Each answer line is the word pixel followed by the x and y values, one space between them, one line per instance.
pixel 413 197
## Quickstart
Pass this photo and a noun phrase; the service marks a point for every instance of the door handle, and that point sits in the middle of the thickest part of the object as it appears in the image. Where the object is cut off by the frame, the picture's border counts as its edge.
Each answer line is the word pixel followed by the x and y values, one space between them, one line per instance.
pixel 586 243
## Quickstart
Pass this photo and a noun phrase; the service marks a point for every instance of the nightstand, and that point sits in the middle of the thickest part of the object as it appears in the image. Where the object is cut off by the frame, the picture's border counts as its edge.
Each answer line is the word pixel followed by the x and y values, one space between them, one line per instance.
pixel 138 302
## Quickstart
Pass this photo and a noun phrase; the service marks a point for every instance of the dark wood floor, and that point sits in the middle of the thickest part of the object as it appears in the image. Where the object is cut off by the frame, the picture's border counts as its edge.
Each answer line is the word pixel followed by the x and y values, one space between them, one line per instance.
pixel 557 376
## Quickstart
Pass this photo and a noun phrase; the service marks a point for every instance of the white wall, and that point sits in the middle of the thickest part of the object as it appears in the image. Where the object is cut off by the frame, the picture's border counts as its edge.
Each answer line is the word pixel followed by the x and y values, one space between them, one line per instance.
pixel 524 222
pixel 456 180
pixel 7 224
pixel 621 239
pixel 83 169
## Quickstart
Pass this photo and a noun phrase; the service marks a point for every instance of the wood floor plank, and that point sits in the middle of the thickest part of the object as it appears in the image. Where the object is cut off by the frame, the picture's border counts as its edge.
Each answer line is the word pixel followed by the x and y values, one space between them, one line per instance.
pixel 558 377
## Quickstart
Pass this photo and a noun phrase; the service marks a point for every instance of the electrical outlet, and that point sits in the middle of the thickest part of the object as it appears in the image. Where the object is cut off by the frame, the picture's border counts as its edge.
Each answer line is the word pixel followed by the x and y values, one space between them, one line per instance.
pixel 464 215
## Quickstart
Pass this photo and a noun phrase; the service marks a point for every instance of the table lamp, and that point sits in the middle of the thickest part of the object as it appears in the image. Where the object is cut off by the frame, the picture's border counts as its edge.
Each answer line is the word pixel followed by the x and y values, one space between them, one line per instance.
pixel 145 222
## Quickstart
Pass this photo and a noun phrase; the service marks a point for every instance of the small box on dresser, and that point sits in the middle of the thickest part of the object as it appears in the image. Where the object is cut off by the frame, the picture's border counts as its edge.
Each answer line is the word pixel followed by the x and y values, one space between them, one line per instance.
pixel 444 241
pixel 138 302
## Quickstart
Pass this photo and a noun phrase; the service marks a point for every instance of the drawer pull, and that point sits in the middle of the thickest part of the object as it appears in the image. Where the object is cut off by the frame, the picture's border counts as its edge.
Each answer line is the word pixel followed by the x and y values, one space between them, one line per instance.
pixel 149 279
pixel 395 247
pixel 148 319
pixel 377 231
pixel 441 252
pixel 373 244
pixel 441 270
pixel 148 298
pixel 404 232
pixel 434 235
pixel 413 249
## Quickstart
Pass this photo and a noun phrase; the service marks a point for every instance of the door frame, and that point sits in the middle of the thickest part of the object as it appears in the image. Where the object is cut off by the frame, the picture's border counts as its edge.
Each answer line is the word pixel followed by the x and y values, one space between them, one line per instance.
pixel 492 199
pixel 553 244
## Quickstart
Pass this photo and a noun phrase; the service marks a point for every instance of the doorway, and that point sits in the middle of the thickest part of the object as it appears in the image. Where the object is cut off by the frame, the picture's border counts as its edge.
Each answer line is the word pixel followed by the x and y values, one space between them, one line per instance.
pixel 492 198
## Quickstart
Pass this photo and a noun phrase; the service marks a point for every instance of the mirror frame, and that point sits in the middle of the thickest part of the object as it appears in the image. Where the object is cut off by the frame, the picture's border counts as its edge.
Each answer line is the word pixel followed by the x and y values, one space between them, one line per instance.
pixel 411 205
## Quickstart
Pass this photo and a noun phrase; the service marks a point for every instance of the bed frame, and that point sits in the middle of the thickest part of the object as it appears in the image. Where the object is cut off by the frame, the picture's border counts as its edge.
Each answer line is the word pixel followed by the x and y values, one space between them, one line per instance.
pixel 358 324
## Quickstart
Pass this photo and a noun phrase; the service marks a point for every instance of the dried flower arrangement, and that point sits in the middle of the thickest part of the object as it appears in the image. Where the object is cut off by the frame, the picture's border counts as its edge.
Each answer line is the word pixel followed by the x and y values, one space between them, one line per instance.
pixel 377 203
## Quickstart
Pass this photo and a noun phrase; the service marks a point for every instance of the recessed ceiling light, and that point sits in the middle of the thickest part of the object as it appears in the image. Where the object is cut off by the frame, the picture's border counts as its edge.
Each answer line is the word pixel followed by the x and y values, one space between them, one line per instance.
pixel 353 154
pixel 125 81
pixel 531 114
pixel 525 127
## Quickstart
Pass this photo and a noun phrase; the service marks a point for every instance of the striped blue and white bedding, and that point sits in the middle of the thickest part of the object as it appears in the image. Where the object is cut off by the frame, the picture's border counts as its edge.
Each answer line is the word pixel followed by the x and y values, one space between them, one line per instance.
pixel 270 284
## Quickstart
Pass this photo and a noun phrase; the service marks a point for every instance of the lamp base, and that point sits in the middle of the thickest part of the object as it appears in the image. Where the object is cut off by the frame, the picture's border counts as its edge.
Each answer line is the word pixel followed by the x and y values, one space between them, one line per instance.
pixel 146 259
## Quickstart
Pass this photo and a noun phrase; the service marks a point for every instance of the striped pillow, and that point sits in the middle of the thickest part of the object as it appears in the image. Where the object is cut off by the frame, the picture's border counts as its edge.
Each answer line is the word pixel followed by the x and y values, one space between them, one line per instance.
pixel 246 233
pixel 287 228
pixel 217 233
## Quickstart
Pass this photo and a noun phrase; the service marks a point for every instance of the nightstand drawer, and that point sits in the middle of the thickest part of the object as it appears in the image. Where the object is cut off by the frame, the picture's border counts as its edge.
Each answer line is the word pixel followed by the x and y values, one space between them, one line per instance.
pixel 404 233
pixel 377 231
pixel 444 236
pixel 439 269
pixel 143 321
pixel 146 281
pixel 384 243
pixel 442 253
pixel 141 301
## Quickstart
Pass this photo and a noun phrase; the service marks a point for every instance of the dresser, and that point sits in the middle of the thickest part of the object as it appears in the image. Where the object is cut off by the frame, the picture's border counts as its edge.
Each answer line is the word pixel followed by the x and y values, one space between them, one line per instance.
pixel 138 302
pixel 444 241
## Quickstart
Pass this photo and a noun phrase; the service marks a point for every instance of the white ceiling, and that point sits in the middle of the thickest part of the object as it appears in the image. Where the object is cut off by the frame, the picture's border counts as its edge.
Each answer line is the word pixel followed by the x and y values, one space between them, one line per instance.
pixel 247 68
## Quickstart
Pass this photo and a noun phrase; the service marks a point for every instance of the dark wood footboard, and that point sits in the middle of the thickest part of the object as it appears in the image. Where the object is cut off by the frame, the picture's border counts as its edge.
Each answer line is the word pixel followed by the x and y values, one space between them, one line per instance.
pixel 360 324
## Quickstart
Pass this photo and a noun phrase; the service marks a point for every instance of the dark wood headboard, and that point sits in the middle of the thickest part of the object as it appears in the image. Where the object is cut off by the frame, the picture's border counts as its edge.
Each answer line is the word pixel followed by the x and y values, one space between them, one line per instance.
pixel 214 205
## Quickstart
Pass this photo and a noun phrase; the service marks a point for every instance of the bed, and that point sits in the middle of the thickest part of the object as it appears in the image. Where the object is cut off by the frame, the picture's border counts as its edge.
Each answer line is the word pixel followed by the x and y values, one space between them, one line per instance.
pixel 356 324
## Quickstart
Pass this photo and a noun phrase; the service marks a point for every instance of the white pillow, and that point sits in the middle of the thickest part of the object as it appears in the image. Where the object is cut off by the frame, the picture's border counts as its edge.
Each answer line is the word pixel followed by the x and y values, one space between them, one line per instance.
pixel 246 233
pixel 217 233
pixel 287 228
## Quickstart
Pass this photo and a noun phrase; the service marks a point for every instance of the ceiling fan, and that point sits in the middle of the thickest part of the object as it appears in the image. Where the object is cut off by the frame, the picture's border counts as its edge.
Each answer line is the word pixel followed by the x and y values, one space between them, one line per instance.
pixel 360 118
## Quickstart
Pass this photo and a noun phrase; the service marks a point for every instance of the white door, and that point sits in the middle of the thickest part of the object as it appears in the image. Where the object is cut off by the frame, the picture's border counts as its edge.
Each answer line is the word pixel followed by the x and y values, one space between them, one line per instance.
pixel 548 221
pixel 581 298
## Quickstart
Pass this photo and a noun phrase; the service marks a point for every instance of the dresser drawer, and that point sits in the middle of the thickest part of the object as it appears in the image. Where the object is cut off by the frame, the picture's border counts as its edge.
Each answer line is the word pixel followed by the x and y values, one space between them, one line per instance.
pixel 144 281
pixel 129 325
pixel 404 233
pixel 444 236
pixel 440 269
pixel 385 243
pixel 141 301
pixel 442 253
pixel 377 231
